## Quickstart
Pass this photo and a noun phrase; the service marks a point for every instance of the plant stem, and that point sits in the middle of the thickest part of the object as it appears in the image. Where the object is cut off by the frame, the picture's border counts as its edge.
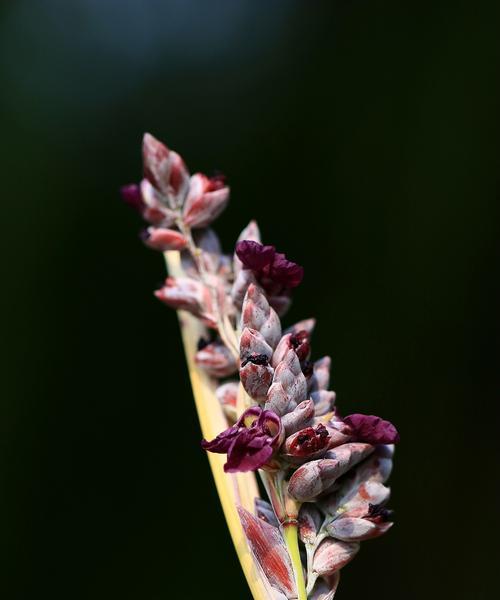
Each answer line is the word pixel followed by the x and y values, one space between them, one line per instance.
pixel 290 535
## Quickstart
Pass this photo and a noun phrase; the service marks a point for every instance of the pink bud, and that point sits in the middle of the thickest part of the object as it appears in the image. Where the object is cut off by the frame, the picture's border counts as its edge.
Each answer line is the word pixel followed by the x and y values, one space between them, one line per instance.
pixel 352 529
pixel 206 199
pixel 317 476
pixel 310 520
pixel 257 314
pixel 332 555
pixel 164 169
pixel 155 209
pixel 190 295
pixel 162 239
pixel 289 374
pixel 299 342
pixel 300 417
pixel 256 379
pixel 305 325
pixel 216 360
pixel 253 343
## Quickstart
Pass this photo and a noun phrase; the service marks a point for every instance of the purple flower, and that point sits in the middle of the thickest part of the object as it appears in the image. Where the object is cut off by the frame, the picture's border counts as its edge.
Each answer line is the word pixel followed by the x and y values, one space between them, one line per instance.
pixel 267 264
pixel 371 429
pixel 250 443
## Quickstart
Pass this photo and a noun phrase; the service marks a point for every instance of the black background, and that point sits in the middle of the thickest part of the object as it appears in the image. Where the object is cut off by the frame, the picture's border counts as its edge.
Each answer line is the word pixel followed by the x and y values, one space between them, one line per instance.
pixel 364 137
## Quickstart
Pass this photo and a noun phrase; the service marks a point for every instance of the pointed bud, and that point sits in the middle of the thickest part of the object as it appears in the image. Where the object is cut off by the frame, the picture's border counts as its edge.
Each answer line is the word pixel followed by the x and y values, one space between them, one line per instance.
pixel 206 199
pixel 159 238
pixel 256 376
pixel 190 295
pixel 352 529
pixel 164 169
pixel 315 477
pixel 257 314
pixel 310 520
pixel 289 384
pixel 363 481
pixel 252 343
pixel 300 417
pixel 227 395
pixel 305 325
pixel 332 555
pixel 155 209
pixel 269 551
pixel 299 342
pixel 216 360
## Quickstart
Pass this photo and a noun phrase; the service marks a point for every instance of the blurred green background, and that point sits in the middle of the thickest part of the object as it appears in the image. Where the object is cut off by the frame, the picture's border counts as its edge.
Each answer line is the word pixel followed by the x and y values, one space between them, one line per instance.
pixel 364 137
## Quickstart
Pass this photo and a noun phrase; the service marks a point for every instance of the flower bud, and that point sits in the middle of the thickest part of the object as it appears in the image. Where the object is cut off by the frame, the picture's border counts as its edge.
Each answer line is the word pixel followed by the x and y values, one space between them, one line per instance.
pixel 257 314
pixel 355 529
pixel 332 555
pixel 252 343
pixel 305 325
pixel 164 169
pixel 310 520
pixel 216 360
pixel 206 199
pixel 227 395
pixel 190 295
pixel 159 238
pixel 292 382
pixel 300 417
pixel 155 208
pixel 256 376
pixel 299 342
pixel 315 477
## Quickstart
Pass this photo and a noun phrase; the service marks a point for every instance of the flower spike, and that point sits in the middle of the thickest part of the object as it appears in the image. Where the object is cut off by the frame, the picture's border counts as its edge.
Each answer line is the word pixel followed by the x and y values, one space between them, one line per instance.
pixel 324 475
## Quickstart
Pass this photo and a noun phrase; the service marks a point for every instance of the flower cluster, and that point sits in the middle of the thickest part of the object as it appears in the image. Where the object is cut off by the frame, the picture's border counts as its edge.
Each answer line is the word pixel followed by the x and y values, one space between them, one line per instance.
pixel 325 474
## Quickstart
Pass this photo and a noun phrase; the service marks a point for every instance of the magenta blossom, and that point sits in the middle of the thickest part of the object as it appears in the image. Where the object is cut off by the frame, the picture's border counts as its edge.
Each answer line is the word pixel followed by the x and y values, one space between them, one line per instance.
pixel 270 267
pixel 250 442
pixel 371 429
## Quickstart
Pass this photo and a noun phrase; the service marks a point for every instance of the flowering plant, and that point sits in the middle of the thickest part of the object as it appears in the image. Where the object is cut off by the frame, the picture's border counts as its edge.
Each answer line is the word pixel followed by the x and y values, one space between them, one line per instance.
pixel 264 407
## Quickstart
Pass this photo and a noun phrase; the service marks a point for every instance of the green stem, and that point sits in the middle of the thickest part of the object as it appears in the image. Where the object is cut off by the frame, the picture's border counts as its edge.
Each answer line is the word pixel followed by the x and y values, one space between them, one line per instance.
pixel 290 535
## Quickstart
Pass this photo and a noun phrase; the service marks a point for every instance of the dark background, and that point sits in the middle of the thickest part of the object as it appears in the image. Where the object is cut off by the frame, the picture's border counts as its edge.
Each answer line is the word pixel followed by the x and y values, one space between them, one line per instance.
pixel 364 136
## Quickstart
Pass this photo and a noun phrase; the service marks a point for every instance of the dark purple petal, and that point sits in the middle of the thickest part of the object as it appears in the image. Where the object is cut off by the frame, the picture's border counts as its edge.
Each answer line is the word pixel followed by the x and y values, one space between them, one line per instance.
pixel 371 429
pixel 222 442
pixel 131 195
pixel 286 272
pixel 253 255
pixel 251 442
